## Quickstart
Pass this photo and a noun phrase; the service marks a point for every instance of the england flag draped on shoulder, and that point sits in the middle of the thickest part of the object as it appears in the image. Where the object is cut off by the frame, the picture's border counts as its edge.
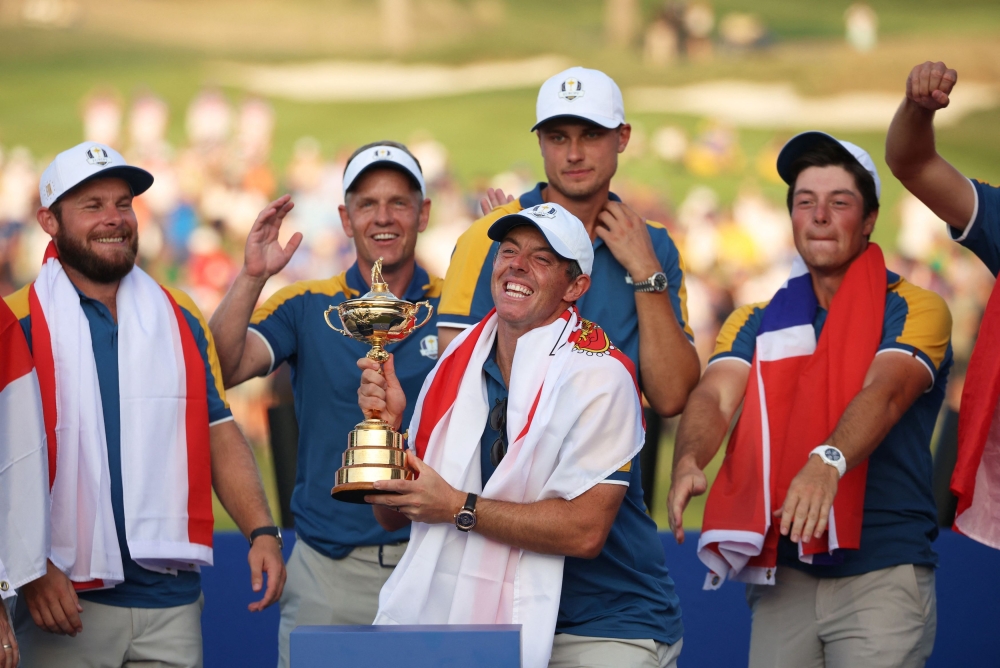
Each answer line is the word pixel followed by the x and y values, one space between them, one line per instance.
pixel 24 499
pixel 573 418
pixel 164 431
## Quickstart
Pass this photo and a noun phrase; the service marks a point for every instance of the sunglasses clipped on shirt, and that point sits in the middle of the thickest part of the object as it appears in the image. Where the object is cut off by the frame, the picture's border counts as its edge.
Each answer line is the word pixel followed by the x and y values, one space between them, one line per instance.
pixel 498 423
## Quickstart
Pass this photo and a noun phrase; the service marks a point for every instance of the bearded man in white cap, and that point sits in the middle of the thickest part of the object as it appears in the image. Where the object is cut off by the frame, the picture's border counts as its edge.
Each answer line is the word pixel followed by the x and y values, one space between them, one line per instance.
pixel 138 434
pixel 342 556
pixel 824 503
pixel 522 441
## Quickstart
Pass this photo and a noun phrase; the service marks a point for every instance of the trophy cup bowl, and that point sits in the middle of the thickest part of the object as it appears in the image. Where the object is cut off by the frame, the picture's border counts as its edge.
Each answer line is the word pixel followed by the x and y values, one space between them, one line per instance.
pixel 374 450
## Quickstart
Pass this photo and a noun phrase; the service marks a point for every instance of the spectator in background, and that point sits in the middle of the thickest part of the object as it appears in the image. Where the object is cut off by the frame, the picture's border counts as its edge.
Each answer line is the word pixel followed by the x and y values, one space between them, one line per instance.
pixel 342 556
pixel 972 211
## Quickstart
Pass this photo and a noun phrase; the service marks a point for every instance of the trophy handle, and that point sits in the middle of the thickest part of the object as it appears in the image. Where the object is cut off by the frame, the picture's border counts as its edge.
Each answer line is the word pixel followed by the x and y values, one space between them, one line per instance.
pixel 430 312
pixel 326 316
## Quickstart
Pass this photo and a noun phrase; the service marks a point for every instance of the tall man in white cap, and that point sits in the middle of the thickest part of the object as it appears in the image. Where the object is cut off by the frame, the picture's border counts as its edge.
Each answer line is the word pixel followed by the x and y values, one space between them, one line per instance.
pixel 513 486
pixel 972 211
pixel 138 435
pixel 342 556
pixel 637 290
pixel 823 504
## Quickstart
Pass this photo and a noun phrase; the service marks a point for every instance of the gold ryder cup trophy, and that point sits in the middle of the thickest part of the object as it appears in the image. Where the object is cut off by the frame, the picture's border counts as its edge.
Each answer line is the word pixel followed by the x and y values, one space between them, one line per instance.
pixel 374 450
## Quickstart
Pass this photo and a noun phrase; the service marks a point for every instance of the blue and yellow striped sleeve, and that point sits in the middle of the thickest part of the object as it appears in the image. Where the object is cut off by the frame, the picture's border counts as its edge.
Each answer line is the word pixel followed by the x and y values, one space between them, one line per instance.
pixel 466 298
pixel 623 476
pixel 18 304
pixel 918 323
pixel 218 408
pixel 673 266
pixel 738 337
pixel 982 234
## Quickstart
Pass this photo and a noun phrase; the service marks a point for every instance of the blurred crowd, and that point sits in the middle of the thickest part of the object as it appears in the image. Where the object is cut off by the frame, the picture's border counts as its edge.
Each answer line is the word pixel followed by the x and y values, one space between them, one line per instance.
pixel 209 189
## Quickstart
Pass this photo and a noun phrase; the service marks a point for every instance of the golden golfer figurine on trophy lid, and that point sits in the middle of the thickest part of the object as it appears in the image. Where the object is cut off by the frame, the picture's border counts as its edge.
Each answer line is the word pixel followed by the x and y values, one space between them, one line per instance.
pixel 374 450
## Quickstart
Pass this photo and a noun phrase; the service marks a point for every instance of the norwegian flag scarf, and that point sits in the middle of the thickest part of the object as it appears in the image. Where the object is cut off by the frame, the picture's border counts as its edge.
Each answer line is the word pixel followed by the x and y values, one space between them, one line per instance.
pixel 573 418
pixel 797 391
pixel 166 467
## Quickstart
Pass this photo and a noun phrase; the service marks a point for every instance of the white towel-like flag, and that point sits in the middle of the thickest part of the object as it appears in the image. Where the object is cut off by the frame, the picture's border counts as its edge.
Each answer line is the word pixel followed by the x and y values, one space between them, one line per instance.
pixel 24 492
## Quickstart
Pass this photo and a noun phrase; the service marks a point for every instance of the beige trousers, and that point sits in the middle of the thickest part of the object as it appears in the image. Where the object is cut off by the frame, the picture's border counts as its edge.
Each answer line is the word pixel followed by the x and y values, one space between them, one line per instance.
pixel 323 591
pixel 886 618
pixel 569 651
pixel 114 637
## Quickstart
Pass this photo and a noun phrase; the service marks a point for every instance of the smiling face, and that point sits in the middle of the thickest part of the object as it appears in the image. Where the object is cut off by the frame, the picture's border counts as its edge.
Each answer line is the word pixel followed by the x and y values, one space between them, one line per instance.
pixel 383 214
pixel 828 220
pixel 531 285
pixel 580 157
pixel 95 229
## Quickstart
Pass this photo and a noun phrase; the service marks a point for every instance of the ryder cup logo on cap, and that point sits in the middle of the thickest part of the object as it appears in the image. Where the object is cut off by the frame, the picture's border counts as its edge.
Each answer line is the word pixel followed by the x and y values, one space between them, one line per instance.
pixel 85 162
pixel 383 156
pixel 564 232
pixel 803 142
pixel 590 95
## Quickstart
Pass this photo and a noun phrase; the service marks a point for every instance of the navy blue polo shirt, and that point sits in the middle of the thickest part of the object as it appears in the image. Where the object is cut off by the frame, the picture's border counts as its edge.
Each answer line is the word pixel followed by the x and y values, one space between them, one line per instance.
pixel 626 592
pixel 142 588
pixel 610 300
pixel 982 234
pixel 325 381
pixel 899 523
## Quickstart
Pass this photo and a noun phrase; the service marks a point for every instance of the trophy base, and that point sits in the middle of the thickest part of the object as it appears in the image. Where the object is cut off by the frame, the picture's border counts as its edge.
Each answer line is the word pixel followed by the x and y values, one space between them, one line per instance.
pixel 354 482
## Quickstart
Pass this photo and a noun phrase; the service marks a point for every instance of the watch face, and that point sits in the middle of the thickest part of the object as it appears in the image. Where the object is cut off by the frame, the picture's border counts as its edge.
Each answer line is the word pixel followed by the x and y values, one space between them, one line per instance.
pixel 659 282
pixel 465 519
pixel 832 454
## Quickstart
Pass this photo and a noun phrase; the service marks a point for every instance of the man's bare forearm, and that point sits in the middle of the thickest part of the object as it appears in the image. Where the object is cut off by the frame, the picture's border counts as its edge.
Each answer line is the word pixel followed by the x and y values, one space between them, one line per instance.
pixel 236 479
pixel 668 363
pixel 909 144
pixel 230 321
pixel 702 429
pixel 576 528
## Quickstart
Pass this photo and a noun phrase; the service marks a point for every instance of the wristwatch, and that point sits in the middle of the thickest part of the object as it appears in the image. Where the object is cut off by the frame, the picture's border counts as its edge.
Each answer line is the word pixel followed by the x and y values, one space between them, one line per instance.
pixel 465 519
pixel 832 457
pixel 267 531
pixel 655 283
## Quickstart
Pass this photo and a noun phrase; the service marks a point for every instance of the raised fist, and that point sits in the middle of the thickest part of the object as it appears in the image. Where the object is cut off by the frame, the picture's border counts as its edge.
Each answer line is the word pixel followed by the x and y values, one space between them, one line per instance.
pixel 930 84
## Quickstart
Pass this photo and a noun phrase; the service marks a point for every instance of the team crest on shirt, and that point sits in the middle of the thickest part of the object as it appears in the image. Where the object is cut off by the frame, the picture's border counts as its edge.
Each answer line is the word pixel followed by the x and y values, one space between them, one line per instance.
pixel 429 346
pixel 592 340
pixel 542 211
pixel 382 153
pixel 571 89
pixel 98 156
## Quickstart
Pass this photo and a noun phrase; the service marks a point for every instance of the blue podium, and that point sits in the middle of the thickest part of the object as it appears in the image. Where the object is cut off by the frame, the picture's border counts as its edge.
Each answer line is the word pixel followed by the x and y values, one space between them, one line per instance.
pixel 430 646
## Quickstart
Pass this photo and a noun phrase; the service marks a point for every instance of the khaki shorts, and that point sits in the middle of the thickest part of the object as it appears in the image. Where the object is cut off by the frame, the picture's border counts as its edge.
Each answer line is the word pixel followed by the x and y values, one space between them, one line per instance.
pixel 114 637
pixel 883 618
pixel 321 591
pixel 569 651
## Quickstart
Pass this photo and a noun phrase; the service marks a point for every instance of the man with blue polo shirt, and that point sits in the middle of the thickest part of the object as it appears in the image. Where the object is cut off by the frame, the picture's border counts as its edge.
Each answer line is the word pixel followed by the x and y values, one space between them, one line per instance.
pixel 638 293
pixel 342 556
pixel 840 378
pixel 561 518
pixel 972 211
pixel 138 431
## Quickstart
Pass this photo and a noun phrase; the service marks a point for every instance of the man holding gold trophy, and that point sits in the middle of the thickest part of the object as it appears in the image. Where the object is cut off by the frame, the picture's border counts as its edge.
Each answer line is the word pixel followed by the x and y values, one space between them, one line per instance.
pixel 342 556
pixel 521 445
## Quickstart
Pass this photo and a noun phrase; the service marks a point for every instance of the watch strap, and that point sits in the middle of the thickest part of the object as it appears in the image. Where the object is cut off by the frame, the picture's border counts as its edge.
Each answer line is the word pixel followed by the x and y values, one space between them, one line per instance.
pixel 470 502
pixel 831 456
pixel 649 285
pixel 267 531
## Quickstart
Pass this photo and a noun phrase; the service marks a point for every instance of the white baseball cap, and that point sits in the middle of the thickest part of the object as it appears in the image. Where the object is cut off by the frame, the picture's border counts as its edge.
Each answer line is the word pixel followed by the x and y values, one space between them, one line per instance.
pixel 564 232
pixel 581 93
pixel 805 141
pixel 383 156
pixel 84 162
